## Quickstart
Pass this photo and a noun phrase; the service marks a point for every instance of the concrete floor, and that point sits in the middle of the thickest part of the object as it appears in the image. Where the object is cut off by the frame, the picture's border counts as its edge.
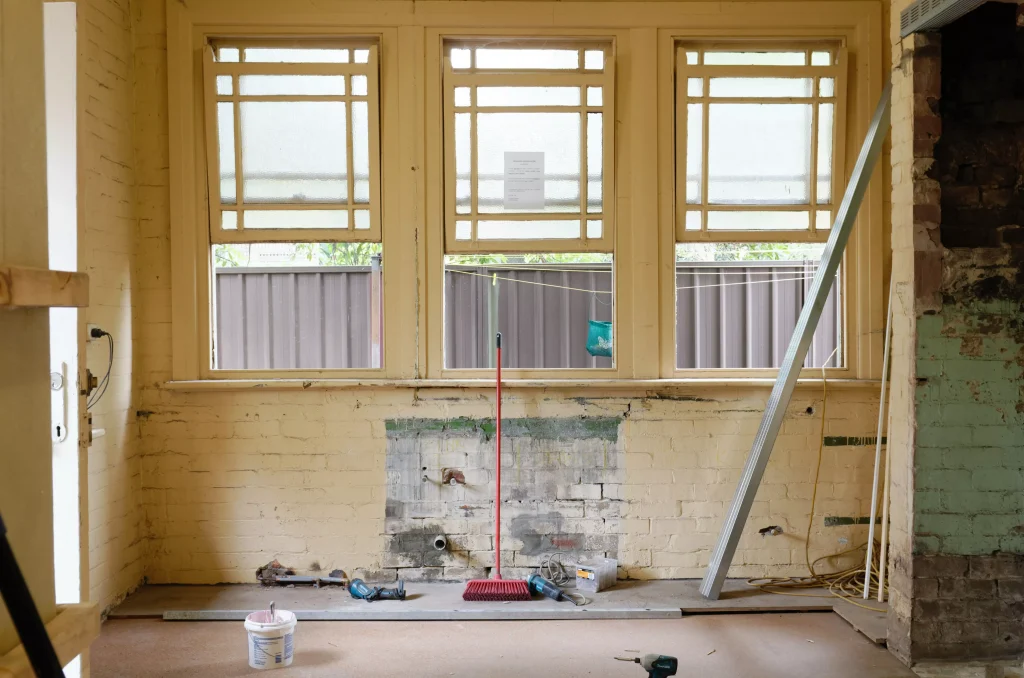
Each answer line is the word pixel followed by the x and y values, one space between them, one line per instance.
pixel 800 645
pixel 662 599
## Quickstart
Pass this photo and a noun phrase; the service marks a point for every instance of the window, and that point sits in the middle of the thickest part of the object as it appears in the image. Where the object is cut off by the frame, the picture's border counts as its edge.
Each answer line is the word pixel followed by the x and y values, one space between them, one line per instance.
pixel 756 166
pixel 528 209
pixel 293 153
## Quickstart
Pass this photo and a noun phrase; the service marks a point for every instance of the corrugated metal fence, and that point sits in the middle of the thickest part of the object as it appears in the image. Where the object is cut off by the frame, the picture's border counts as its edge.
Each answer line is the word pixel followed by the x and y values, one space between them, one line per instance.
pixel 728 315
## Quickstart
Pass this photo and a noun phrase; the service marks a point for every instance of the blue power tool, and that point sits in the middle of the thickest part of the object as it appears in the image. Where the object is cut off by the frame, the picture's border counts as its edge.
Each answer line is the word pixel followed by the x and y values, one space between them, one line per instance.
pixel 359 589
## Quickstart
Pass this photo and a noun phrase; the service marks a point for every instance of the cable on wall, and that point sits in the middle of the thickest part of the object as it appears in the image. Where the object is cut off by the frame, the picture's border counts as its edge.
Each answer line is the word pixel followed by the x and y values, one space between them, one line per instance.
pixel 101 387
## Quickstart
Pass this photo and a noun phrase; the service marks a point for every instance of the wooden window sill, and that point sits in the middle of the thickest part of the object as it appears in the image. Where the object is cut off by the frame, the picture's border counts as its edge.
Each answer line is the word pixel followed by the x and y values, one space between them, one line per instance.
pixel 624 385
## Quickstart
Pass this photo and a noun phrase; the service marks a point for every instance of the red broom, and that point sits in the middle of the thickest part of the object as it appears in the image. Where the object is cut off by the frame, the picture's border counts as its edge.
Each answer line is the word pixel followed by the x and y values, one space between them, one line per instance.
pixel 497 589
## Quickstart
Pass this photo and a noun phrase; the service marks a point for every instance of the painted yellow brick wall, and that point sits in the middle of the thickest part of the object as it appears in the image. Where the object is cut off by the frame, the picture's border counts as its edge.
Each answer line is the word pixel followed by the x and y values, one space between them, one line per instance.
pixel 107 194
pixel 230 480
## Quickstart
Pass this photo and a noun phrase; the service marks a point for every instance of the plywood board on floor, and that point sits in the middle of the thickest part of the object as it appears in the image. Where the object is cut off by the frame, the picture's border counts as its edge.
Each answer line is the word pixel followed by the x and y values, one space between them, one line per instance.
pixel 709 646
pixel 871 622
pixel 435 601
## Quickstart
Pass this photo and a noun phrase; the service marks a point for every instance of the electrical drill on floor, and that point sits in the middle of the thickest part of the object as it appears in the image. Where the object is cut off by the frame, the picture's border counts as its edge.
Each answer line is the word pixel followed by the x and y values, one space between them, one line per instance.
pixel 359 589
pixel 656 665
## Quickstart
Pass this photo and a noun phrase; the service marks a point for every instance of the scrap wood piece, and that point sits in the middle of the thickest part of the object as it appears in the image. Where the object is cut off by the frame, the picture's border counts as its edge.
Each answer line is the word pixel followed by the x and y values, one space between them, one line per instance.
pixel 26 287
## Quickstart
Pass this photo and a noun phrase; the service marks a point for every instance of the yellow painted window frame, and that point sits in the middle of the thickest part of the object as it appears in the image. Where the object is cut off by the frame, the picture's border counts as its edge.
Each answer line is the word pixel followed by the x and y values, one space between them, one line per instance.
pixel 685 71
pixel 473 78
pixel 861 274
pixel 441 156
pixel 412 210
pixel 235 69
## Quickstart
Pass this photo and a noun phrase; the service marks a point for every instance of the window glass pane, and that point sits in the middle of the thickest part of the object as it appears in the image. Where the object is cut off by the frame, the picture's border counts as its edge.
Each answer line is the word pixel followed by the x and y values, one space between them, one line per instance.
pixel 759 154
pixel 294 151
pixel 269 85
pixel 827 87
pixel 226 142
pixel 359 85
pixel 463 230
pixel 594 96
pixel 825 122
pixel 821 58
pixel 594 229
pixel 737 305
pixel 227 54
pixel 462 96
pixel 823 220
pixel 361 151
pixel 695 87
pixel 694 152
pixel 224 85
pixel 527 230
pixel 593 60
pixel 545 325
pixel 595 162
pixel 297 306
pixel 260 219
pixel 460 58
pixel 362 220
pixel 755 59
pixel 362 56
pixel 462 163
pixel 692 58
pixel 528 59
pixel 693 220
pixel 527 96
pixel 761 87
pixel 759 221
pixel 557 135
pixel 229 220
pixel 296 55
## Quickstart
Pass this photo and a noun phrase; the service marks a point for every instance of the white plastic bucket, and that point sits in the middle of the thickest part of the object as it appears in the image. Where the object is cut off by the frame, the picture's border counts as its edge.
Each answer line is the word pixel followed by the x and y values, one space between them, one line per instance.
pixel 271 641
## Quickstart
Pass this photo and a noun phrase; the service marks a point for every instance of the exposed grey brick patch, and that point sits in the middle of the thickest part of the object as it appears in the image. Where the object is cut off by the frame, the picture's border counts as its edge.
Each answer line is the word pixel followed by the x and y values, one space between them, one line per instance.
pixel 836 521
pixel 560 489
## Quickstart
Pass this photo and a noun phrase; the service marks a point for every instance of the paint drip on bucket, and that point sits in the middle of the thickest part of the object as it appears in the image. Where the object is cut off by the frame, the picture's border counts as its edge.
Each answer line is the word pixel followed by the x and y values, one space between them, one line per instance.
pixel 271 638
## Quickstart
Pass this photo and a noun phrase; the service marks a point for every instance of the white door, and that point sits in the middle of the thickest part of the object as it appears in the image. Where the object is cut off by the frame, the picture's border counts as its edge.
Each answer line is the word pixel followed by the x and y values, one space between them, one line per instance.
pixel 59 35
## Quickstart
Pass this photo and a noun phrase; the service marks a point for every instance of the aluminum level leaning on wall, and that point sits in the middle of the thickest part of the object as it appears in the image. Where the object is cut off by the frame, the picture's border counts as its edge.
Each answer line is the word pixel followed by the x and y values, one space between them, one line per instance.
pixel 410 48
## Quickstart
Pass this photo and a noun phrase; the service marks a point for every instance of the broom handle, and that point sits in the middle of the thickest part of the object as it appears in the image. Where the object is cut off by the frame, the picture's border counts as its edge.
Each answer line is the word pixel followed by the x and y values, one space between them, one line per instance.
pixel 497 466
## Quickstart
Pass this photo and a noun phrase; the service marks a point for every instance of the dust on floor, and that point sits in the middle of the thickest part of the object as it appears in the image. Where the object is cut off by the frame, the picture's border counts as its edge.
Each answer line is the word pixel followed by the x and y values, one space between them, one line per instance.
pixel 793 645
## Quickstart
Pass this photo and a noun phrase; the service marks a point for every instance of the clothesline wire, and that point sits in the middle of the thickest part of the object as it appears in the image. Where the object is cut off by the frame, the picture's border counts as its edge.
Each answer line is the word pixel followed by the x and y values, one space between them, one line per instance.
pixel 586 291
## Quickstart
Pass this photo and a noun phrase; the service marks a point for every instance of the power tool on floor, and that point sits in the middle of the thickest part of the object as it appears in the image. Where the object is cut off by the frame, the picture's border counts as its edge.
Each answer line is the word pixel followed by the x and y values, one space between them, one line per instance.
pixel 656 665
pixel 359 589
pixel 545 587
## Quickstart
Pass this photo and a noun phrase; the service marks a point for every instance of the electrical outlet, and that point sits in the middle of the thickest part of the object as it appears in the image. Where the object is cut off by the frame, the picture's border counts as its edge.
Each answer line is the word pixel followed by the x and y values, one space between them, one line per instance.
pixel 88 331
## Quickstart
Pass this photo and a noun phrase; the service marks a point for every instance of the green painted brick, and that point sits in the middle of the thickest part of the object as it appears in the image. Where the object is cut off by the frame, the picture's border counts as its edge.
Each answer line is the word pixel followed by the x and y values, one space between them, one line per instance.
pixel 978 369
pixel 996 479
pixel 942 524
pixel 925 544
pixel 930 325
pixel 972 502
pixel 943 479
pixel 971 414
pixel 973 457
pixel 998 436
pixel 928 500
pixel 944 436
pixel 970 544
pixel 996 525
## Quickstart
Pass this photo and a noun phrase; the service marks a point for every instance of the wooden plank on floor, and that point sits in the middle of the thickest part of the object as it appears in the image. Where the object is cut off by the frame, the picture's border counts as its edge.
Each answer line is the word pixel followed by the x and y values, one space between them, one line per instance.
pixel 869 622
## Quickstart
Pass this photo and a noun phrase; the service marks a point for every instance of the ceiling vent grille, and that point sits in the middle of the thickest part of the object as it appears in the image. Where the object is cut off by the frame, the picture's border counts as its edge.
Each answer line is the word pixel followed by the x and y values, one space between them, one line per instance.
pixel 927 14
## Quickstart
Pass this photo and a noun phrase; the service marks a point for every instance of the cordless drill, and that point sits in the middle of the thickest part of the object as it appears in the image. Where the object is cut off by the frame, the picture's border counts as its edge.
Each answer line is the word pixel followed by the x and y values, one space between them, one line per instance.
pixel 656 665
pixel 359 589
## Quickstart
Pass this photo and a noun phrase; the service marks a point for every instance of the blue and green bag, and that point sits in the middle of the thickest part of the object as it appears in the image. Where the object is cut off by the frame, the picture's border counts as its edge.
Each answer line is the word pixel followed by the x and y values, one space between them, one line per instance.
pixel 599 339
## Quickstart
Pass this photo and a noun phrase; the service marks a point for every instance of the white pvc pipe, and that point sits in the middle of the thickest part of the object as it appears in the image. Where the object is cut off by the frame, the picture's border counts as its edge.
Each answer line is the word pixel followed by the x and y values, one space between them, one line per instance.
pixel 883 565
pixel 878 449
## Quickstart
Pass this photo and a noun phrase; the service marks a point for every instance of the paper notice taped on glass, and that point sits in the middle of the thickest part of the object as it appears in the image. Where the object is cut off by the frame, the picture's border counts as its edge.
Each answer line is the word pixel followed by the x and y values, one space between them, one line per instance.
pixel 524 180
